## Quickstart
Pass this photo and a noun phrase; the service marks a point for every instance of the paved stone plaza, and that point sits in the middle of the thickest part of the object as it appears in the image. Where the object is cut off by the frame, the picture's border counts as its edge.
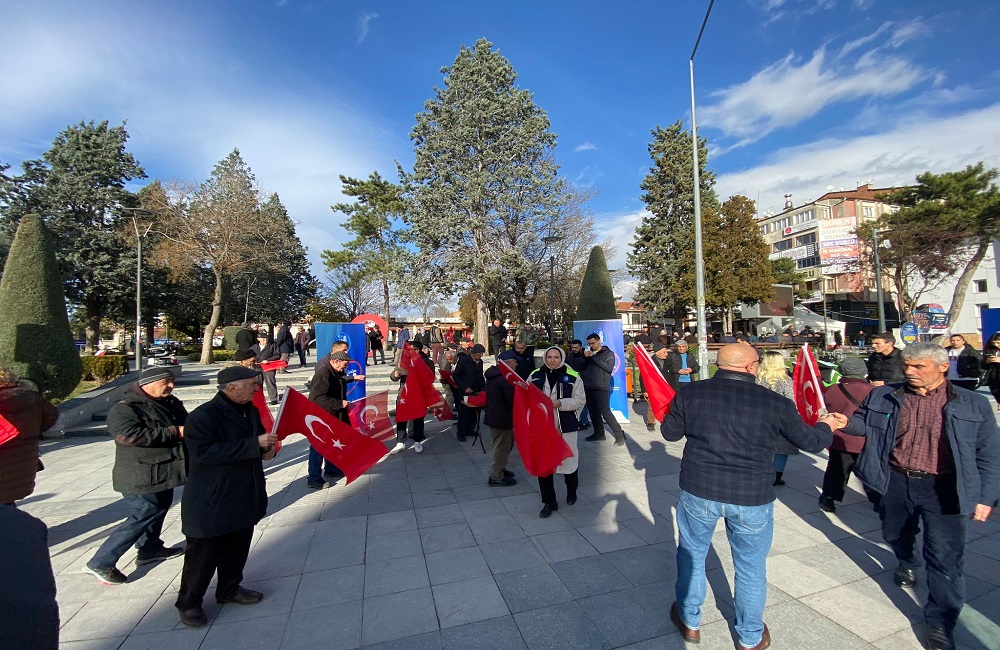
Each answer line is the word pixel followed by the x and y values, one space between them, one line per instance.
pixel 421 553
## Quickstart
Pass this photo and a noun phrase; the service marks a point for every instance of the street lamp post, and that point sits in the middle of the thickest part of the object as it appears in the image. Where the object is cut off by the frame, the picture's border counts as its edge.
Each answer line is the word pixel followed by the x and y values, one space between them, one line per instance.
pixel 552 239
pixel 878 281
pixel 138 282
pixel 699 262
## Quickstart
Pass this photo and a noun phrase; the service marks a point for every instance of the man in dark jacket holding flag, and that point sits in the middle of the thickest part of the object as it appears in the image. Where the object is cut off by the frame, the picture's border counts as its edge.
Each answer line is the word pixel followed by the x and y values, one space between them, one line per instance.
pixel 499 418
pixel 469 380
pixel 328 389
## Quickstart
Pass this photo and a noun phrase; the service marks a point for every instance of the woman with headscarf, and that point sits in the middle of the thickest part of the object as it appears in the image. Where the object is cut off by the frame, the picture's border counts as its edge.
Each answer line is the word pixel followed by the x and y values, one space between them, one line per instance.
pixel 565 388
pixel 774 375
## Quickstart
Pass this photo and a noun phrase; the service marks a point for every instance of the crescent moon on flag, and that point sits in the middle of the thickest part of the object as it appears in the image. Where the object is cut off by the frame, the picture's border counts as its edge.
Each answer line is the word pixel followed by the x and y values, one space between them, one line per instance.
pixel 310 420
pixel 361 415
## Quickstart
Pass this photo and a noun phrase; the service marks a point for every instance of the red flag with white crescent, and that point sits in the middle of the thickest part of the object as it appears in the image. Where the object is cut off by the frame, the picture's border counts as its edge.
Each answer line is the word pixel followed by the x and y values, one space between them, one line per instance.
pixel 536 436
pixel 336 441
pixel 808 385
pixel 370 416
pixel 265 415
pixel 442 412
pixel 418 393
pixel 659 391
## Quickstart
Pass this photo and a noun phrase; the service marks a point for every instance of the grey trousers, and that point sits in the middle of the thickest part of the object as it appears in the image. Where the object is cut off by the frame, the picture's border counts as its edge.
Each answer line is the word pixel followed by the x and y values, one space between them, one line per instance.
pixel 503 442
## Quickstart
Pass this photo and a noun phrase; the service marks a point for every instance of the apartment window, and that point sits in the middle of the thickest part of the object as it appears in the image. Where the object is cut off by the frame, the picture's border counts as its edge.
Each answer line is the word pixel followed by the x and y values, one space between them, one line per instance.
pixel 802 240
pixel 868 212
pixel 803 217
pixel 763 230
pixel 807 262
pixel 840 211
pixel 980 286
pixel 782 245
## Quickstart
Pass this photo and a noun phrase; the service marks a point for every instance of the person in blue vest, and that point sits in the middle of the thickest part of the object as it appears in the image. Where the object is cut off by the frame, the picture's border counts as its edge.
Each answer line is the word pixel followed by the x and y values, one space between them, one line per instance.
pixel 565 388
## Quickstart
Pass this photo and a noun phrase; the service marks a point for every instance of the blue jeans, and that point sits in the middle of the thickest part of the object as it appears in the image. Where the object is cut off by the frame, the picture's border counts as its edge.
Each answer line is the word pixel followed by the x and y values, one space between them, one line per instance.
pixel 750 529
pixel 316 463
pixel 142 528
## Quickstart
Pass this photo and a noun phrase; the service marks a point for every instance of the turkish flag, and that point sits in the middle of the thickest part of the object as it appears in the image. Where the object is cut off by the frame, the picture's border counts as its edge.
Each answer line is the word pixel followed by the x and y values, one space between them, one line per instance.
pixel 7 430
pixel 336 441
pixel 265 416
pixel 808 386
pixel 446 377
pixel 277 364
pixel 659 391
pixel 538 440
pixel 370 416
pixel 443 411
pixel 418 393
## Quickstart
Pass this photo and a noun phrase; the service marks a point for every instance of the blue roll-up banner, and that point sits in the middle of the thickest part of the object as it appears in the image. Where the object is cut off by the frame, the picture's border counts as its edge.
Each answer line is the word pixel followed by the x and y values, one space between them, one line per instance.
pixel 990 322
pixel 357 347
pixel 612 336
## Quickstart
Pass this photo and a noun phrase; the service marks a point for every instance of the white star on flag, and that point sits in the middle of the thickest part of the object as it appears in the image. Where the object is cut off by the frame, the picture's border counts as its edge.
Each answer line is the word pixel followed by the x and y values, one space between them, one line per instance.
pixel 338 444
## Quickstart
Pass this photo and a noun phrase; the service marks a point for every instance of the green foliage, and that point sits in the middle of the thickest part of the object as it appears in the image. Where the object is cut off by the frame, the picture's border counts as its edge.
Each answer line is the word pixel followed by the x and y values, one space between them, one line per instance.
pixel 217 355
pixel 784 272
pixel 35 339
pixel 79 188
pixel 484 190
pixel 104 368
pixel 662 256
pixel 229 337
pixel 375 220
pixel 597 298
pixel 945 226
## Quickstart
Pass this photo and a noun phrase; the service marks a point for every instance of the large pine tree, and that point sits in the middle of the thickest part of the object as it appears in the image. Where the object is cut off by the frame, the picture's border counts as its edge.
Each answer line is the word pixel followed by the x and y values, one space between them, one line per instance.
pixel 662 256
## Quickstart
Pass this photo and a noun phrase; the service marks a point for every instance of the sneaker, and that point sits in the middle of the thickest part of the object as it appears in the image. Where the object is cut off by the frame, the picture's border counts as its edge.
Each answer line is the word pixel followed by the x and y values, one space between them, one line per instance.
pixel 110 577
pixel 400 446
pixel 315 485
pixel 594 437
pixel 418 447
pixel 504 481
pixel 162 554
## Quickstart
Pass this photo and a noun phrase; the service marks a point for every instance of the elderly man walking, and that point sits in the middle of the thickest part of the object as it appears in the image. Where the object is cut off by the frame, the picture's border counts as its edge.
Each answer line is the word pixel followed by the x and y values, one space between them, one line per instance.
pixel 932 450
pixel 225 495
pixel 732 425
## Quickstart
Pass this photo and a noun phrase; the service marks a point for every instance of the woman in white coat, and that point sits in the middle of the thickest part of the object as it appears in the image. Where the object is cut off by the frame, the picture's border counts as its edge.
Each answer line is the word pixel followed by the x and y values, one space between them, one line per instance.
pixel 565 388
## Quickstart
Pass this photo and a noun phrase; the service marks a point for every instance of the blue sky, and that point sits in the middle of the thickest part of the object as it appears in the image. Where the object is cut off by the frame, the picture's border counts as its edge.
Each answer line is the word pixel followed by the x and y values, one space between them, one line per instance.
pixel 794 95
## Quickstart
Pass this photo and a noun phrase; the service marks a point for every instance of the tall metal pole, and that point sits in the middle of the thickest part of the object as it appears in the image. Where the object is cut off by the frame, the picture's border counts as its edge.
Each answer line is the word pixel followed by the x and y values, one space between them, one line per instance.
pixel 822 280
pixel 878 282
pixel 699 261
pixel 552 299
pixel 138 295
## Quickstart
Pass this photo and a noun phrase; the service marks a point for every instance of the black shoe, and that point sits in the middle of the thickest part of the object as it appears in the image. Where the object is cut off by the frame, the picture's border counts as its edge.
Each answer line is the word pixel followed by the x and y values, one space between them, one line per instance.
pixel 111 576
pixel 316 485
pixel 650 427
pixel 570 499
pixel 904 577
pixel 505 481
pixel 777 479
pixel 620 440
pixel 594 437
pixel 938 639
pixel 194 617
pixel 826 504
pixel 162 554
pixel 548 509
pixel 507 473
pixel 585 425
pixel 243 597
pixel 273 402
pixel 332 478
pixel 461 437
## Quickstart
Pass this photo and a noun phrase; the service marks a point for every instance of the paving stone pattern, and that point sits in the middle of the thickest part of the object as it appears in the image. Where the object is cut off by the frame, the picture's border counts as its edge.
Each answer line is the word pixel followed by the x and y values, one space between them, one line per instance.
pixel 421 553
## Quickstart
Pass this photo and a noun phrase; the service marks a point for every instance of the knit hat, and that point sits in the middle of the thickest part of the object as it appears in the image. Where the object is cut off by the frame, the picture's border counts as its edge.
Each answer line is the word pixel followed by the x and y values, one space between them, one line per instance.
pixel 478 349
pixel 340 356
pixel 507 355
pixel 659 346
pixel 243 355
pixel 230 374
pixel 852 367
pixel 156 373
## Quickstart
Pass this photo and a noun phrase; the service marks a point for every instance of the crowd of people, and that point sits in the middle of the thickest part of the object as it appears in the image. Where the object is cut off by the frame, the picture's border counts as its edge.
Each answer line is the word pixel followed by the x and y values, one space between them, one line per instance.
pixel 908 423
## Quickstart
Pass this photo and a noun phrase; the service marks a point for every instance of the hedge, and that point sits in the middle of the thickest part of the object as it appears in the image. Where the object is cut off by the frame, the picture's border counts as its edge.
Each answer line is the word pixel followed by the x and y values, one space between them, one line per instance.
pixel 104 368
pixel 217 355
pixel 229 337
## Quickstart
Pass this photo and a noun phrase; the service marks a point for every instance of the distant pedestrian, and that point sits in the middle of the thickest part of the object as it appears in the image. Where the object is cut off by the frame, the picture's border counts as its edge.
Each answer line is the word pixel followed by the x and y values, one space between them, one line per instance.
pixel 375 343
pixel 885 364
pixel 436 336
pixel 499 417
pixel 498 337
pixel 285 343
pixel 963 363
pixel 302 344
pixel 245 338
pixel 266 351
pixel 773 374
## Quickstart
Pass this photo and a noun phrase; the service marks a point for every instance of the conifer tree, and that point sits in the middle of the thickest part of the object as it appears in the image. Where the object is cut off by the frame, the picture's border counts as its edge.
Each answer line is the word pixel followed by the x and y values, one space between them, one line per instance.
pixel 597 298
pixel 35 338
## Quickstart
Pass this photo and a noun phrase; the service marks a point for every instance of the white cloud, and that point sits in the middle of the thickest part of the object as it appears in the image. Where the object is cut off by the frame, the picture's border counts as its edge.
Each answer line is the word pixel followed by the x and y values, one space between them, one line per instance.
pixel 893 157
pixel 365 19
pixel 789 91
pixel 586 146
pixel 908 31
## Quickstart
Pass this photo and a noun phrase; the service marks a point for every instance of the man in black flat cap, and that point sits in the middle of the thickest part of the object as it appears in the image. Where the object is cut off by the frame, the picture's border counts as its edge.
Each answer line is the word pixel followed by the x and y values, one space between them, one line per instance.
pixel 328 389
pixel 147 427
pixel 265 350
pixel 225 495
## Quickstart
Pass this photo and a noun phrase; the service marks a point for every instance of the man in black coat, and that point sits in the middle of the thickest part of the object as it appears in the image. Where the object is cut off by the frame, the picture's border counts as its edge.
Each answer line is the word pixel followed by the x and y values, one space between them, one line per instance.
pixel 599 363
pixel 498 336
pixel 469 380
pixel 499 418
pixel 263 352
pixel 885 364
pixel 663 364
pixel 147 427
pixel 245 338
pixel 328 389
pixel 225 495
pixel 285 341
pixel 732 426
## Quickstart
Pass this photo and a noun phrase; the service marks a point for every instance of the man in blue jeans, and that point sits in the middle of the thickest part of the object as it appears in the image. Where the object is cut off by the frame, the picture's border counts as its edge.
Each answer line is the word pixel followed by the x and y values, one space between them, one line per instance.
pixel 732 426
pixel 328 389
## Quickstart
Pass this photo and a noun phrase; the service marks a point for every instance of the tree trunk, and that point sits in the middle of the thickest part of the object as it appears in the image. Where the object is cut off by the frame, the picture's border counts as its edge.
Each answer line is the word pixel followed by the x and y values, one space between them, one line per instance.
pixel 385 299
pixel 958 297
pixel 92 332
pixel 480 331
pixel 213 322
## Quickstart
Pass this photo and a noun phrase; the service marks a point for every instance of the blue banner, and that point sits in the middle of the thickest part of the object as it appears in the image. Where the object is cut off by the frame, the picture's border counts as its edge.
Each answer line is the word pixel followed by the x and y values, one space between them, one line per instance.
pixel 612 336
pixel 990 322
pixel 357 347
